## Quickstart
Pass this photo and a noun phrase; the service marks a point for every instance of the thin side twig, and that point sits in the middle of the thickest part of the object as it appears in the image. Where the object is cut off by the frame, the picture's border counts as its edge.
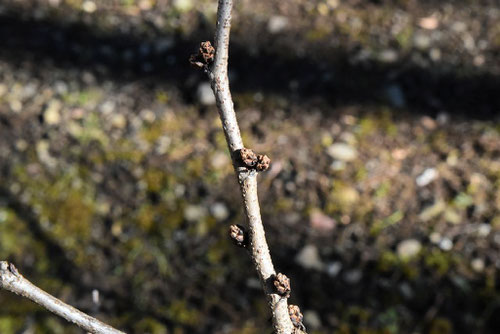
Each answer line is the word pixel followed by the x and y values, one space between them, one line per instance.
pixel 247 179
pixel 13 281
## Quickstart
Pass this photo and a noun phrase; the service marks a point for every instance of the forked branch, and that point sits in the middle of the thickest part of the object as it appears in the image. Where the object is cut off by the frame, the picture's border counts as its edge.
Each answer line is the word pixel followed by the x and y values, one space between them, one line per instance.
pixel 12 280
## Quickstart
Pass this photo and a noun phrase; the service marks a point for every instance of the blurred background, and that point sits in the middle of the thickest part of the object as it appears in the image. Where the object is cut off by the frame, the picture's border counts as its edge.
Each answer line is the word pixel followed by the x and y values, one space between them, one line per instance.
pixel 382 120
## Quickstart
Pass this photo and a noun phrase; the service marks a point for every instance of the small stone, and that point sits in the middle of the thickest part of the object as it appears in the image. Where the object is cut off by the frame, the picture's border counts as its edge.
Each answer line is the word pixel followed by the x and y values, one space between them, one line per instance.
pixel 60 87
pixel 435 237
pixel 119 121
pixel 341 151
pixel 429 175
pixel 435 54
pixel 452 216
pixel 51 115
pixel 333 269
pixel 421 41
pixel 3 89
pixel 321 222
pixel 446 244
pixel 337 166
pixel 483 230
pixel 433 210
pixel 388 56
pixel 309 258
pixel 147 115
pixel 428 123
pixel 89 6
pixel 21 145
pixel 277 24
pixel 16 105
pixel 312 319
pixel 323 9
pixel 220 160
pixel 477 265
pixel 145 4
pixel 429 23
pixel 469 42
pixel 353 276
pixel 42 150
pixel 194 213
pixel 107 107
pixel 406 290
pixel 219 211
pixel 3 216
pixel 409 248
pixel 459 26
pixel 162 145
pixel 442 118
pixel 183 5
pixel 205 95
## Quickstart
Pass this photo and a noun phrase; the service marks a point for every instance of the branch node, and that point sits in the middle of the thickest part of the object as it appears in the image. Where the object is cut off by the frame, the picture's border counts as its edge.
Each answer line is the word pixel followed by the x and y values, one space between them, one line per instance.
pixel 205 56
pixel 249 159
pixel 13 270
pixel 282 284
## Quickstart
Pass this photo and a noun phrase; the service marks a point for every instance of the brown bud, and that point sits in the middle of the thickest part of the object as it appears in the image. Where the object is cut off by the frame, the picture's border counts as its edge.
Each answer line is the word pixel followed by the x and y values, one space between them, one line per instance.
pixel 248 157
pixel 263 162
pixel 282 285
pixel 251 160
pixel 205 55
pixel 296 316
pixel 238 234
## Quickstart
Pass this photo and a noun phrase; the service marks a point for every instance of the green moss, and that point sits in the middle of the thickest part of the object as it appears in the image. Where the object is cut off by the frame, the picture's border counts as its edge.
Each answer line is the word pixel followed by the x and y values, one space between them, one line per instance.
pixel 72 216
pixel 441 326
pixel 342 197
pixel 404 37
pixel 90 130
pixel 155 179
pixel 84 98
pixel 462 201
pixel 387 261
pixel 10 325
pixel 367 126
pixel 152 132
pixel 381 224
pixel 216 252
pixel 438 260
pixel 383 189
pixel 318 33
pixel 150 325
pixel 180 312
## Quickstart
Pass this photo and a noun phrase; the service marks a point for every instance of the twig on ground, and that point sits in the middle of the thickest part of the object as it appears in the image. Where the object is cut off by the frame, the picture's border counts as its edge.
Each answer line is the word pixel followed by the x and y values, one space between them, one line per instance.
pixel 12 280
pixel 246 165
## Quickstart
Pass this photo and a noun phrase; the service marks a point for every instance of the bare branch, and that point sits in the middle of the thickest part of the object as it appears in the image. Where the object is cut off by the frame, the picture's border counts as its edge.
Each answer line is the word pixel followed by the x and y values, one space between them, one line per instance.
pixel 216 69
pixel 12 280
